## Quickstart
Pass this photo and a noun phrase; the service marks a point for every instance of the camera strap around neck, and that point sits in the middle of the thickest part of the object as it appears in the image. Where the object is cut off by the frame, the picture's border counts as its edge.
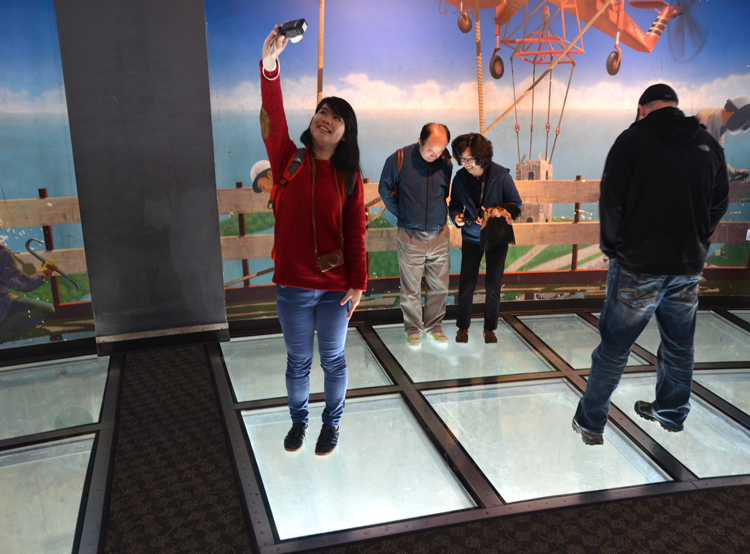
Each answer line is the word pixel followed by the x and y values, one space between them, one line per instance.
pixel 341 207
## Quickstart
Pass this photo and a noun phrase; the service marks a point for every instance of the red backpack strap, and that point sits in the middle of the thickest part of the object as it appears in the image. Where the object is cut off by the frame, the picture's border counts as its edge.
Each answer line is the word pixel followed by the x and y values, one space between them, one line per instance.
pixel 291 171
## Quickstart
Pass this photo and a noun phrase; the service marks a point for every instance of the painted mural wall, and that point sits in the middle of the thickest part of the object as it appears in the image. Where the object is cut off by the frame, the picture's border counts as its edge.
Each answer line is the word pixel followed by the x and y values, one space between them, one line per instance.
pixel 36 159
pixel 400 64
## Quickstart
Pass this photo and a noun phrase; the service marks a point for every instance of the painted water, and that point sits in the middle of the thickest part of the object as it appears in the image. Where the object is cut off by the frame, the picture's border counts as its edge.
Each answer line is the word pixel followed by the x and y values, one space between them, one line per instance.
pixel 36 152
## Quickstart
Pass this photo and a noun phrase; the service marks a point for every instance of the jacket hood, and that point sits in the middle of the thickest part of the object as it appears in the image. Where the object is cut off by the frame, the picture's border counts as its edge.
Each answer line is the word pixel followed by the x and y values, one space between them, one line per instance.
pixel 670 125
pixel 495 170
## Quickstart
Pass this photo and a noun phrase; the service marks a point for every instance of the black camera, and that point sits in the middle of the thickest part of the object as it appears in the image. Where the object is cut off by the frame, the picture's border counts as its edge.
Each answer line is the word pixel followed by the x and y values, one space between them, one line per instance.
pixel 293 30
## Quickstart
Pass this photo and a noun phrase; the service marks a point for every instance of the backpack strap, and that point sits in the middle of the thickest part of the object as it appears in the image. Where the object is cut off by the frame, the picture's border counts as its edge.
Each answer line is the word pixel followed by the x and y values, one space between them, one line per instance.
pixel 291 171
pixel 400 154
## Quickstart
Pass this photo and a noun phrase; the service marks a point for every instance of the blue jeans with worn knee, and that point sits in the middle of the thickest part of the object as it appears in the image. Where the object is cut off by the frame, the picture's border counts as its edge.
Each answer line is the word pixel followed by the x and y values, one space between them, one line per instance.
pixel 632 298
pixel 301 313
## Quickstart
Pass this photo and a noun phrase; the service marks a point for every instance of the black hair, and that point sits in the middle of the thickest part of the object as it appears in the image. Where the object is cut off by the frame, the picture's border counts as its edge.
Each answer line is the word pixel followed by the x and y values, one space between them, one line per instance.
pixel 346 156
pixel 481 148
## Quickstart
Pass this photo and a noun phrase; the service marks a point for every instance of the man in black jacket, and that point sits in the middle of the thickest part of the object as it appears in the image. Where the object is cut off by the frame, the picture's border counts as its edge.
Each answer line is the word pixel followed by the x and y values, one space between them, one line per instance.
pixel 663 192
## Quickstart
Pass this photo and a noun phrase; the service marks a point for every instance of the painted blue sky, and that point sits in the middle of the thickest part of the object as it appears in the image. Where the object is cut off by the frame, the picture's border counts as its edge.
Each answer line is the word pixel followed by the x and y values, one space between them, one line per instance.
pixel 389 54
pixel 393 53
pixel 398 53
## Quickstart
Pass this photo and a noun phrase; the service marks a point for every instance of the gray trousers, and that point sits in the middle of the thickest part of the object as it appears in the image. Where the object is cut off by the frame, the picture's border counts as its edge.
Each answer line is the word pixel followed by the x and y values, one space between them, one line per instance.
pixel 429 252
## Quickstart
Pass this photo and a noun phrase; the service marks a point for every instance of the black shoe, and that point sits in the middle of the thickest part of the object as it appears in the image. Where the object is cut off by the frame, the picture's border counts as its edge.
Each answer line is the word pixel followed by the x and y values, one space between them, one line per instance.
pixel 327 441
pixel 295 438
pixel 646 411
pixel 589 438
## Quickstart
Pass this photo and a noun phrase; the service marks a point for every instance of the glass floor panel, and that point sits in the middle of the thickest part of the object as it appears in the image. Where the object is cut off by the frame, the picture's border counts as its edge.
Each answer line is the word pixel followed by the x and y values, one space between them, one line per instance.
pixel 36 398
pixel 257 365
pixel 716 339
pixel 711 445
pixel 742 314
pixel 520 436
pixel 733 385
pixel 45 483
pixel 572 338
pixel 434 362
pixel 384 469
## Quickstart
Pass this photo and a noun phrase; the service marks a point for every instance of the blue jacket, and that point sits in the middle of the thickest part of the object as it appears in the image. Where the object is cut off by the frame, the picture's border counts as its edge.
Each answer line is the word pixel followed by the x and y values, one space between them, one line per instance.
pixel 499 189
pixel 418 194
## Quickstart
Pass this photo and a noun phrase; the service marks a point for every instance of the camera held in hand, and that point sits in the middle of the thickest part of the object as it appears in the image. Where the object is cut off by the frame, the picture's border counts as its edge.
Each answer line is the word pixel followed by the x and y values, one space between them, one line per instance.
pixel 294 30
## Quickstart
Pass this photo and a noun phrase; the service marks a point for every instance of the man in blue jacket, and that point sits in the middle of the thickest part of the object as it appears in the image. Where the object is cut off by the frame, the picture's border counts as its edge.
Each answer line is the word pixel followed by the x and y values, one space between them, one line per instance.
pixel 414 186
pixel 663 192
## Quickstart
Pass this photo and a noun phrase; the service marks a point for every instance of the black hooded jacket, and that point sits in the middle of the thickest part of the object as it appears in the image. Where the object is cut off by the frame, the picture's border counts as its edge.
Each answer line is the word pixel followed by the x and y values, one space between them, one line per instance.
pixel 663 192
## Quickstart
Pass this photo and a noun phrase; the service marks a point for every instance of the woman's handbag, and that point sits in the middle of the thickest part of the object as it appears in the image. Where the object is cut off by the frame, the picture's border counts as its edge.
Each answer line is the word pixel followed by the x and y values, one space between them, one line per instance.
pixel 499 228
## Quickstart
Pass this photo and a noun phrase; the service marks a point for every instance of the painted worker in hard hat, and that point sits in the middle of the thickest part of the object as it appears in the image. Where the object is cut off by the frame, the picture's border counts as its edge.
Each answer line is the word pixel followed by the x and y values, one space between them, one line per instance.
pixel 260 175
pixel 19 314
pixel 734 117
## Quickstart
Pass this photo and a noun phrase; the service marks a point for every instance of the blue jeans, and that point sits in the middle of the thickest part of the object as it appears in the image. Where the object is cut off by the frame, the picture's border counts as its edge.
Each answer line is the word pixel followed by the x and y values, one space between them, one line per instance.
pixel 631 300
pixel 301 312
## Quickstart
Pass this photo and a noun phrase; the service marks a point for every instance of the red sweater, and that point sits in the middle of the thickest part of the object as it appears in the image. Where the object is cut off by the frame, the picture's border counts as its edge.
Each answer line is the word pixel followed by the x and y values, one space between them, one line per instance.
pixel 295 262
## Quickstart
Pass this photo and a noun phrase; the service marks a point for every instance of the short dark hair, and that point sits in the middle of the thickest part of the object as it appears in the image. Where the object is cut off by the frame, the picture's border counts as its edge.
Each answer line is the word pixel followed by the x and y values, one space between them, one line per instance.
pixel 481 148
pixel 346 156
pixel 431 128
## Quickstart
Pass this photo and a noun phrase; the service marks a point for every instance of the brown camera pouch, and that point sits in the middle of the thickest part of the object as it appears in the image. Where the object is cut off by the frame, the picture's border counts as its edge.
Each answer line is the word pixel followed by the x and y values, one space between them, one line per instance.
pixel 333 259
pixel 330 260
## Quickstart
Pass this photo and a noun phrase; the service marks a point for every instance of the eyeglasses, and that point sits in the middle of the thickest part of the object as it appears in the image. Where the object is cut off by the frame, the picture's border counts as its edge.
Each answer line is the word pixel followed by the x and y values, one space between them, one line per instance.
pixel 469 161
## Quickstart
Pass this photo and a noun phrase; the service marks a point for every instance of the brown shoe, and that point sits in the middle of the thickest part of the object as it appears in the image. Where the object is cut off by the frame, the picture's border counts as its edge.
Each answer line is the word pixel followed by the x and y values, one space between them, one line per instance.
pixel 462 335
pixel 489 337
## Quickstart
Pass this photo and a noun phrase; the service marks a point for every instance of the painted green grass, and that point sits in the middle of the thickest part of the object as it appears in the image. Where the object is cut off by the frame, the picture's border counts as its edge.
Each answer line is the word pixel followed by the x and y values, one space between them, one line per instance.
pixel 68 292
pixel 730 255
pixel 548 254
pixel 254 223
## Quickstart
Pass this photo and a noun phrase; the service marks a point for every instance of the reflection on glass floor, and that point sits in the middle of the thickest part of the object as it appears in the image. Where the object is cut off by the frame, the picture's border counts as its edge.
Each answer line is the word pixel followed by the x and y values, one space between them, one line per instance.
pixel 383 470
pixel 520 437
pixel 716 339
pixel 434 362
pixel 516 432
pixel 710 445
pixel 41 488
pixel 731 385
pixel 257 366
pixel 42 397
pixel 571 337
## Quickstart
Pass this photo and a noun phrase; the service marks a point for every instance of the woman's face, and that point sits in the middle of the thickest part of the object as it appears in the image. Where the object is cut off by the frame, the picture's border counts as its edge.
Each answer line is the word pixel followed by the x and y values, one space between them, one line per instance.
pixel 468 161
pixel 327 128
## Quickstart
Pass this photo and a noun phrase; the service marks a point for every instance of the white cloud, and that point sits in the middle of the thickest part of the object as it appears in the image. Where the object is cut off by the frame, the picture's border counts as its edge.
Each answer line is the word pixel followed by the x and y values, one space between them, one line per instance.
pixel 368 94
pixel 51 101
pixel 364 94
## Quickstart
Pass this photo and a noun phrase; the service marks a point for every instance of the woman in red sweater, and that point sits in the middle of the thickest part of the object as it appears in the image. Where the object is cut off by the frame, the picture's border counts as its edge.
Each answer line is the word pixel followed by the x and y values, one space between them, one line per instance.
pixel 319 245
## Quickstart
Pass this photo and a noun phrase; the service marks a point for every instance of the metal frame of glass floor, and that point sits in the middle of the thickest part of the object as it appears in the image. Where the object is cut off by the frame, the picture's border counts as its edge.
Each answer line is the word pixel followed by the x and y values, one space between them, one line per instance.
pixel 451 434
pixel 58 423
pixel 438 436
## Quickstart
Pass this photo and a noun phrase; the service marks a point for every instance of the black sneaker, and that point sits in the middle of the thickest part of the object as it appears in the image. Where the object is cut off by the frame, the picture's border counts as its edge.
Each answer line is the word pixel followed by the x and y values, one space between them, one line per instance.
pixel 589 438
pixel 295 438
pixel 327 441
pixel 646 411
